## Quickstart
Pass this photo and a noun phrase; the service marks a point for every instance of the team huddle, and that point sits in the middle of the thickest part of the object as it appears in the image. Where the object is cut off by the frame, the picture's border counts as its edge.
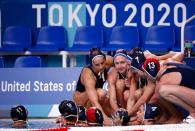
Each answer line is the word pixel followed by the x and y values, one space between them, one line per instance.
pixel 142 88
pixel 151 89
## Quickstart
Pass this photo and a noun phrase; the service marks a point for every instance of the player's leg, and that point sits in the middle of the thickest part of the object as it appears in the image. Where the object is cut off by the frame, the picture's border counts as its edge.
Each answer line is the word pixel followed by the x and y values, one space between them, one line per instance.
pixel 104 101
pixel 120 86
pixel 80 98
pixel 179 95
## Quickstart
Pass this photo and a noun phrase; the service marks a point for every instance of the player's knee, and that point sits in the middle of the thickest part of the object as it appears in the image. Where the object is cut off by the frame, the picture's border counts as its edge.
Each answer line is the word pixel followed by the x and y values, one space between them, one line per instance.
pixel 78 99
pixel 75 97
pixel 126 95
pixel 163 91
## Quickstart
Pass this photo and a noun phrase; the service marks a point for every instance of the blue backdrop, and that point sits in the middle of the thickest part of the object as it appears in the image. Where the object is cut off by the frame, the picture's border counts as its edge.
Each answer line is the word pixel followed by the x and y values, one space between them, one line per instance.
pixel 103 13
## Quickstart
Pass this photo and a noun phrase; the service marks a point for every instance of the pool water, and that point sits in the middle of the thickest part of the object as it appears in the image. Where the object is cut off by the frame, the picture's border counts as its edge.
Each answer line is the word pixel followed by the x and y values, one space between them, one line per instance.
pixel 32 123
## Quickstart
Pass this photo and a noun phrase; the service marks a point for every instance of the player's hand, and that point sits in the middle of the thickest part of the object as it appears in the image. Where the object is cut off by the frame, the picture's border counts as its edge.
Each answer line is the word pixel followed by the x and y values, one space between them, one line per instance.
pixel 61 121
pixel 58 119
pixel 127 82
pixel 117 119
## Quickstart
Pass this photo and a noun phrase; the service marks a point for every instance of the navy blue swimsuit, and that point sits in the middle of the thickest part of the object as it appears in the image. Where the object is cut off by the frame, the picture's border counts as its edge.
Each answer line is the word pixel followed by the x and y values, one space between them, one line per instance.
pixel 99 80
pixel 186 72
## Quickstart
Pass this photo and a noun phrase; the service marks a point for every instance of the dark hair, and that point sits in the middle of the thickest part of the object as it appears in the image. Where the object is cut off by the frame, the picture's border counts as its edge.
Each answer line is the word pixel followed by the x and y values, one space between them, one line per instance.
pixel 135 50
pixel 121 51
pixel 95 52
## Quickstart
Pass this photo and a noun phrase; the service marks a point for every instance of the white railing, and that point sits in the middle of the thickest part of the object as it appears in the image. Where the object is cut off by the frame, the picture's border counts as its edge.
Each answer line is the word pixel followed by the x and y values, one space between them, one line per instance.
pixel 182 31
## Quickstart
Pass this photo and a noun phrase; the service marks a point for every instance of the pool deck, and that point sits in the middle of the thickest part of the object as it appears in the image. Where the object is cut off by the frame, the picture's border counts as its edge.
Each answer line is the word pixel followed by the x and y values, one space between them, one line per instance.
pixel 49 124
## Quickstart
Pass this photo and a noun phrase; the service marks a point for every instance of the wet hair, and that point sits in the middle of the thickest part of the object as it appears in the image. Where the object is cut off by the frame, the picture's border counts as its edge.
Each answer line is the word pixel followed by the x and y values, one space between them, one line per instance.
pixel 95 52
pixel 19 113
pixel 122 52
pixel 136 50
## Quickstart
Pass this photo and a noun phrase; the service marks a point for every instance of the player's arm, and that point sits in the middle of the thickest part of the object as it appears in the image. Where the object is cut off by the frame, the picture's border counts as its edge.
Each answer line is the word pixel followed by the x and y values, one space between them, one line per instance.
pixel 177 56
pixel 89 82
pixel 173 56
pixel 148 54
pixel 133 87
pixel 112 89
pixel 148 92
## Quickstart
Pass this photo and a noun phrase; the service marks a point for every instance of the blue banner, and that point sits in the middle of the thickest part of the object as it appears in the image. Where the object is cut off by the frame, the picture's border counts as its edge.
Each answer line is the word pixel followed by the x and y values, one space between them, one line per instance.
pixel 37 85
